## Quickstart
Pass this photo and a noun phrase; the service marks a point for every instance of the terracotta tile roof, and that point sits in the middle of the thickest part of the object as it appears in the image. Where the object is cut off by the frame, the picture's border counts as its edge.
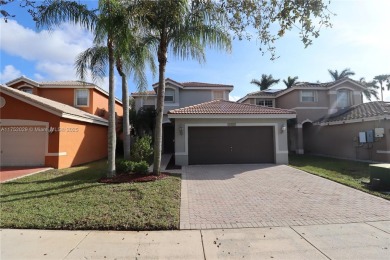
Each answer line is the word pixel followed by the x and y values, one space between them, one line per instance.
pixel 206 85
pixel 54 106
pixel 194 84
pixel 228 107
pixel 268 92
pixel 365 110
pixel 66 83
pixel 276 92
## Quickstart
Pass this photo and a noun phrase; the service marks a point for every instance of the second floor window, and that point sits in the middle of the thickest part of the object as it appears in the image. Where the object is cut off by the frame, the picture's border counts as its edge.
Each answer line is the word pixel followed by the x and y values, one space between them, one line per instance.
pixel 169 95
pixel 82 97
pixel 343 98
pixel 218 95
pixel 308 96
pixel 264 102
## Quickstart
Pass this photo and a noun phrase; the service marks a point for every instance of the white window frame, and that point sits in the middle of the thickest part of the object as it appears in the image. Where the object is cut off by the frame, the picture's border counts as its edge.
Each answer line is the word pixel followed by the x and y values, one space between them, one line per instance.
pixel 173 96
pixel 76 91
pixel 314 96
pixel 27 90
pixel 348 98
pixel 264 100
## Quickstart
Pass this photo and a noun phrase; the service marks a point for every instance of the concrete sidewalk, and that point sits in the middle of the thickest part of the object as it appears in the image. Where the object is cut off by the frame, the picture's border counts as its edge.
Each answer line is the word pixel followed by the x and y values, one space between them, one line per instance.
pixel 370 240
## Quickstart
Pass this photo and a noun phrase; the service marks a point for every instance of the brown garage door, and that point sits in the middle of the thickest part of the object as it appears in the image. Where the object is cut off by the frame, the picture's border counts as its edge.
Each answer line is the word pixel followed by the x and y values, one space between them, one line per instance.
pixel 231 145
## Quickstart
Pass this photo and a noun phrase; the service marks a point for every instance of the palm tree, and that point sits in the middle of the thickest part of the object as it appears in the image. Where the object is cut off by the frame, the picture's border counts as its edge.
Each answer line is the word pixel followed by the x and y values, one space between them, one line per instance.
pixel 265 82
pixel 108 25
pixel 383 79
pixel 186 30
pixel 290 81
pixel 370 89
pixel 344 73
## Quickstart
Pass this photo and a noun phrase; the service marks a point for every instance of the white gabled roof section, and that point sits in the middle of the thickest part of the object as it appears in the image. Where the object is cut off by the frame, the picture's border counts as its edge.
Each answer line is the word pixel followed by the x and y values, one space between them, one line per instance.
pixel 54 107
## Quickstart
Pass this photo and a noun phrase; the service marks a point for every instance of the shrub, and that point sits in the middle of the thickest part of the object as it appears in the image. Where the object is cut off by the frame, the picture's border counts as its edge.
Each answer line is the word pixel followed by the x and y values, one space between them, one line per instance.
pixel 124 166
pixel 141 167
pixel 142 149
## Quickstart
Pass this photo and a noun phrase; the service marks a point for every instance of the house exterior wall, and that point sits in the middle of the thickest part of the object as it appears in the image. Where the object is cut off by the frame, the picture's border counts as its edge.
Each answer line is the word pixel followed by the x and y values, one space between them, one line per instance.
pixel 85 138
pixel 194 96
pixel 305 110
pixel 342 141
pixel 181 140
pixel 15 109
pixel 97 100
pixel 183 98
pixel 141 101
pixel 99 103
pixel 64 147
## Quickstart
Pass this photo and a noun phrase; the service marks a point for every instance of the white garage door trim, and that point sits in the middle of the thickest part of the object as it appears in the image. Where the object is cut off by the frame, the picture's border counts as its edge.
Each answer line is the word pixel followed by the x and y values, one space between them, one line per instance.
pixel 275 125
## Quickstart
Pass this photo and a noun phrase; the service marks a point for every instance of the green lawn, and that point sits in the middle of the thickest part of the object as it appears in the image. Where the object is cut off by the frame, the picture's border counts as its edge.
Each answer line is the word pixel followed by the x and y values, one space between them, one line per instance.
pixel 73 199
pixel 346 172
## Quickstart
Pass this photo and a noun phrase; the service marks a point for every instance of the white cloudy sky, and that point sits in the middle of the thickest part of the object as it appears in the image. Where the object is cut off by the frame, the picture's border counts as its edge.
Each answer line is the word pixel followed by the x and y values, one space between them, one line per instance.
pixel 358 40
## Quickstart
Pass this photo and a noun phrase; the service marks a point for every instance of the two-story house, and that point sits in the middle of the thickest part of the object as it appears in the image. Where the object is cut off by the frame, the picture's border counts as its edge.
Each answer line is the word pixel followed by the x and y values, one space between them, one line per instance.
pixel 178 95
pixel 201 126
pixel 56 124
pixel 330 118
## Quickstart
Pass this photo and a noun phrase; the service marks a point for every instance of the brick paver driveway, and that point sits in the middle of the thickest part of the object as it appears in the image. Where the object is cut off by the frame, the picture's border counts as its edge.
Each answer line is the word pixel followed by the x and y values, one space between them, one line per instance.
pixel 231 196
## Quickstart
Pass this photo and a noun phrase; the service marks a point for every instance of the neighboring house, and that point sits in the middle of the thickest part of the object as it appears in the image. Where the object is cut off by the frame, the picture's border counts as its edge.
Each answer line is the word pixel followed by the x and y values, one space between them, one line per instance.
pixel 178 95
pixel 82 95
pixel 315 103
pixel 54 124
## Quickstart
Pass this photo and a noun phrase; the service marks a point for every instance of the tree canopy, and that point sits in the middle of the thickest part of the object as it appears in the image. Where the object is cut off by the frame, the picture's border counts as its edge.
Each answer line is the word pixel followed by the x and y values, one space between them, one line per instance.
pixel 265 82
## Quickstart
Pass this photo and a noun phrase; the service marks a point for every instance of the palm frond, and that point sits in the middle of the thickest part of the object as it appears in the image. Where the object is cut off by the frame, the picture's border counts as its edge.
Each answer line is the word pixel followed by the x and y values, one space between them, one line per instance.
pixel 94 59
pixel 56 12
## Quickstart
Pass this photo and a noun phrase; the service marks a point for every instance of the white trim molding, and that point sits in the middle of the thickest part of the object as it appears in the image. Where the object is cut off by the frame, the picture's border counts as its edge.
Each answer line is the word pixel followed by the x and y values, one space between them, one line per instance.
pixel 381 151
pixel 310 108
pixel 350 121
pixel 233 116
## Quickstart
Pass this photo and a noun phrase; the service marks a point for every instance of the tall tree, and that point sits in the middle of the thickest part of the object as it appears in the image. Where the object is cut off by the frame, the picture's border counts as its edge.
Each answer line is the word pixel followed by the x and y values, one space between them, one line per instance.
pixel 290 81
pixel 371 89
pixel 184 29
pixel 130 58
pixel 381 79
pixel 265 82
pixel 107 23
pixel 344 73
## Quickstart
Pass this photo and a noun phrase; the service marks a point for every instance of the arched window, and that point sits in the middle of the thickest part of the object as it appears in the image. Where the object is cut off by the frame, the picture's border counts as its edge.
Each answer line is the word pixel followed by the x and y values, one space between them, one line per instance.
pixel 343 98
pixel 26 89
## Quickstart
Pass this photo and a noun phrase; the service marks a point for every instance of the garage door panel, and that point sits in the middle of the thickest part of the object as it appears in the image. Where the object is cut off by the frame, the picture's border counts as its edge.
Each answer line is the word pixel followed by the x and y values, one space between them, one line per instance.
pixel 22 148
pixel 234 145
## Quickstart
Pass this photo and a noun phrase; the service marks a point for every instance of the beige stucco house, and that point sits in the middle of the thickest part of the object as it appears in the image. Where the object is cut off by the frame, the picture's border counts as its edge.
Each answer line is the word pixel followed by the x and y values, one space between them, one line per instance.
pixel 201 126
pixel 331 119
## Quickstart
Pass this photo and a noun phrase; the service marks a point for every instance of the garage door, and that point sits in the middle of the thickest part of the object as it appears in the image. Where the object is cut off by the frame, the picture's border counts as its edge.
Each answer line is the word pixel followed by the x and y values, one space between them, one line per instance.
pixel 22 148
pixel 230 145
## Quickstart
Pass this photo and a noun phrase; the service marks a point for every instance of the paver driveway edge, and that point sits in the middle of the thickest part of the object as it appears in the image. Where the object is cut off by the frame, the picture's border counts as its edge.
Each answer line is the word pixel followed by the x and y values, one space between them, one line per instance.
pixel 184 207
pixel 252 196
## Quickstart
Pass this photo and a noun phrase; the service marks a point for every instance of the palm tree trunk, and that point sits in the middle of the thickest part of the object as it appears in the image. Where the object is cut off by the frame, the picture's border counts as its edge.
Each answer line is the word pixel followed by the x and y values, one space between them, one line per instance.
pixel 162 60
pixel 126 119
pixel 111 111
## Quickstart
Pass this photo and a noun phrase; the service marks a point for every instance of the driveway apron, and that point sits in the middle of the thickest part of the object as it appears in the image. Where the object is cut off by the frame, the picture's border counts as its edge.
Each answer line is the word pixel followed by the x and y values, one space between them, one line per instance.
pixel 235 196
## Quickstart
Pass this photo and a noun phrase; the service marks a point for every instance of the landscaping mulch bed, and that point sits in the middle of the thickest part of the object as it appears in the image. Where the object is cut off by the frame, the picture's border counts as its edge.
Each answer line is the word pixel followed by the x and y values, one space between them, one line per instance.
pixel 133 177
